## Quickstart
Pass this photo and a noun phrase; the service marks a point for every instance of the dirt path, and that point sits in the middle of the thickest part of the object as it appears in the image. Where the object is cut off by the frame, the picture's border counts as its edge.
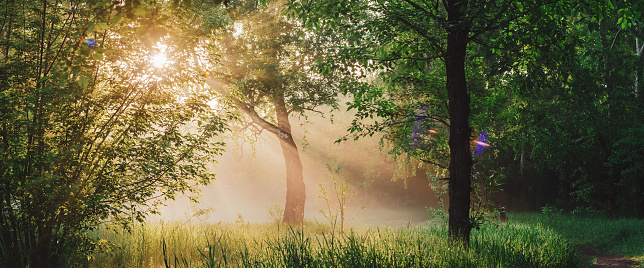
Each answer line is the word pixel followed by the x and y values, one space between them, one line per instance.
pixel 605 260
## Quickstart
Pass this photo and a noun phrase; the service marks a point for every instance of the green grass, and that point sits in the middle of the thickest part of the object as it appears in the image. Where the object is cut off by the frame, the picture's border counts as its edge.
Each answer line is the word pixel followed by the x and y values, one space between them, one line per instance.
pixel 623 236
pixel 316 245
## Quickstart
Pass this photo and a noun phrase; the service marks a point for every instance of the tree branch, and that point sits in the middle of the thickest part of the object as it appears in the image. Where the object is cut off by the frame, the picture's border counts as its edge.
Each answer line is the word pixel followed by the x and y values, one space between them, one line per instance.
pixel 249 110
pixel 517 15
pixel 432 163
pixel 432 41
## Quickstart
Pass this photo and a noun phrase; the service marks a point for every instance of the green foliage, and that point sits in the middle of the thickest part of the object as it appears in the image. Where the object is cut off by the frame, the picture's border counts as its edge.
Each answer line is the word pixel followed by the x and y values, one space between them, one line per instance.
pixel 487 184
pixel 268 60
pixel 579 107
pixel 91 134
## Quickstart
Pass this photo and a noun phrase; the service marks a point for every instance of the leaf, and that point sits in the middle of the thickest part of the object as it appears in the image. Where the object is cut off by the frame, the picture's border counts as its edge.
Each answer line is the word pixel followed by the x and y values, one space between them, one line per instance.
pixel 43 79
pixel 138 11
pixel 103 25
pixel 83 82
pixel 97 56
pixel 117 18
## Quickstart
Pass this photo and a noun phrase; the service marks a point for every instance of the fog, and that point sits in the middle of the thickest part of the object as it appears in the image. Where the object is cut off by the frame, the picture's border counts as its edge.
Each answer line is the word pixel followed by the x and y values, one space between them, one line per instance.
pixel 250 183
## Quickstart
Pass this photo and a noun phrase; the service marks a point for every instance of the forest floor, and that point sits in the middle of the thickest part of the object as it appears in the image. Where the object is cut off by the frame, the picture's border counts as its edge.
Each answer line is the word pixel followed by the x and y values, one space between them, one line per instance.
pixel 605 260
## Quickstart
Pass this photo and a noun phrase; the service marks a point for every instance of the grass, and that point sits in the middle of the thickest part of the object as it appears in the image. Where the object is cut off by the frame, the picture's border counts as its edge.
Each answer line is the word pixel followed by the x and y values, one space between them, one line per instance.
pixel 623 236
pixel 166 244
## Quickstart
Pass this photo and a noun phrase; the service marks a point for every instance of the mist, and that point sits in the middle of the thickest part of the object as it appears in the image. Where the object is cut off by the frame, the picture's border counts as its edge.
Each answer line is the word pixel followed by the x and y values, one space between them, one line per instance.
pixel 251 185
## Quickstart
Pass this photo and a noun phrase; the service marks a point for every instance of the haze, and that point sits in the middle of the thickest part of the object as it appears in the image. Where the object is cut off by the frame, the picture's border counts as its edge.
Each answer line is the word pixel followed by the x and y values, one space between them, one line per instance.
pixel 250 184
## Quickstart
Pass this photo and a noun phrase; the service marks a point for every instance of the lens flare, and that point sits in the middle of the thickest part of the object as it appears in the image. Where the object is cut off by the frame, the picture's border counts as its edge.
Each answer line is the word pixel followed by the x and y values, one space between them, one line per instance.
pixel 89 42
pixel 481 144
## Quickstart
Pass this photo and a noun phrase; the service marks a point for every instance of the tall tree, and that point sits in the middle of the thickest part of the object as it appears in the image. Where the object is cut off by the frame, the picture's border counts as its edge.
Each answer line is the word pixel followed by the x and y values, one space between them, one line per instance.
pixel 266 73
pixel 91 131
pixel 386 36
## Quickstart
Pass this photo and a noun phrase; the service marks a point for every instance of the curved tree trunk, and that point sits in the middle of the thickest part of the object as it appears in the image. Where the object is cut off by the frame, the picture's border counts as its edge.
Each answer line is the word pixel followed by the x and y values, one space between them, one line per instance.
pixel 460 167
pixel 295 188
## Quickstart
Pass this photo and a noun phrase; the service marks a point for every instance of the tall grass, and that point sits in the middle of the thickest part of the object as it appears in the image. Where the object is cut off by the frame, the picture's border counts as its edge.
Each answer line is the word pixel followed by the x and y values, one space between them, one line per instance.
pixel 622 236
pixel 315 245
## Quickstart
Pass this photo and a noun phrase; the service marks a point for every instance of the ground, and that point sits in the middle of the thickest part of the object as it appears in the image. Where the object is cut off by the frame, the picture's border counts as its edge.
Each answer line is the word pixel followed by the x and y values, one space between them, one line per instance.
pixel 605 260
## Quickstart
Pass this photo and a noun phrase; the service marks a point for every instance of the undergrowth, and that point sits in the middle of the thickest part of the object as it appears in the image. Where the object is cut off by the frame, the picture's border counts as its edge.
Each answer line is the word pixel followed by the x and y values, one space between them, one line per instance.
pixel 316 245
pixel 622 236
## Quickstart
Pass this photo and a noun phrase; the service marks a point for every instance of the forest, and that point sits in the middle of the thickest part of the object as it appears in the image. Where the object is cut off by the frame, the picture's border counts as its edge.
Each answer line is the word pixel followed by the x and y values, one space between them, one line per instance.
pixel 372 133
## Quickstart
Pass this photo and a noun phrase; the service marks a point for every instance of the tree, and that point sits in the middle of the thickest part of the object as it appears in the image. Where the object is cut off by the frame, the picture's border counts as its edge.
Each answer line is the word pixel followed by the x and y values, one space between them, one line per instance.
pixel 90 130
pixel 384 37
pixel 585 113
pixel 266 73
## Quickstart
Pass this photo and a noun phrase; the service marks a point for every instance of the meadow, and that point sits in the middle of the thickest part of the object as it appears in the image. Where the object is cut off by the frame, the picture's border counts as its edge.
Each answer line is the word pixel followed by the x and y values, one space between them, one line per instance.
pixel 517 243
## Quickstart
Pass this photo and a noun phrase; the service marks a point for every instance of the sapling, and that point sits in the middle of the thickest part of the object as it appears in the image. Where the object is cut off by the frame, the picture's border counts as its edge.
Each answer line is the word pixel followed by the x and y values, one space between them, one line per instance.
pixel 344 193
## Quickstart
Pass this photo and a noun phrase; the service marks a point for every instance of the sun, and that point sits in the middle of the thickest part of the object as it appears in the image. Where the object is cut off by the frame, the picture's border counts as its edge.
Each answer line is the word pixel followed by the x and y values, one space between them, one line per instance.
pixel 159 60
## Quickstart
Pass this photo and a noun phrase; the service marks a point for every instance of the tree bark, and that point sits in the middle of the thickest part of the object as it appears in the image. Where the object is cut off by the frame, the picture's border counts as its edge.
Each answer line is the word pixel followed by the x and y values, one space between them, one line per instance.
pixel 639 85
pixel 459 110
pixel 605 137
pixel 639 71
pixel 639 194
pixel 295 188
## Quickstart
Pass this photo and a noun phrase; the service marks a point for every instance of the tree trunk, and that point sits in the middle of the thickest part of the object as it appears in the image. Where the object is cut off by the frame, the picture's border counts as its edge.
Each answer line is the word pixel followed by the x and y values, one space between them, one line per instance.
pixel 605 137
pixel 295 188
pixel 639 71
pixel 639 194
pixel 639 95
pixel 459 110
